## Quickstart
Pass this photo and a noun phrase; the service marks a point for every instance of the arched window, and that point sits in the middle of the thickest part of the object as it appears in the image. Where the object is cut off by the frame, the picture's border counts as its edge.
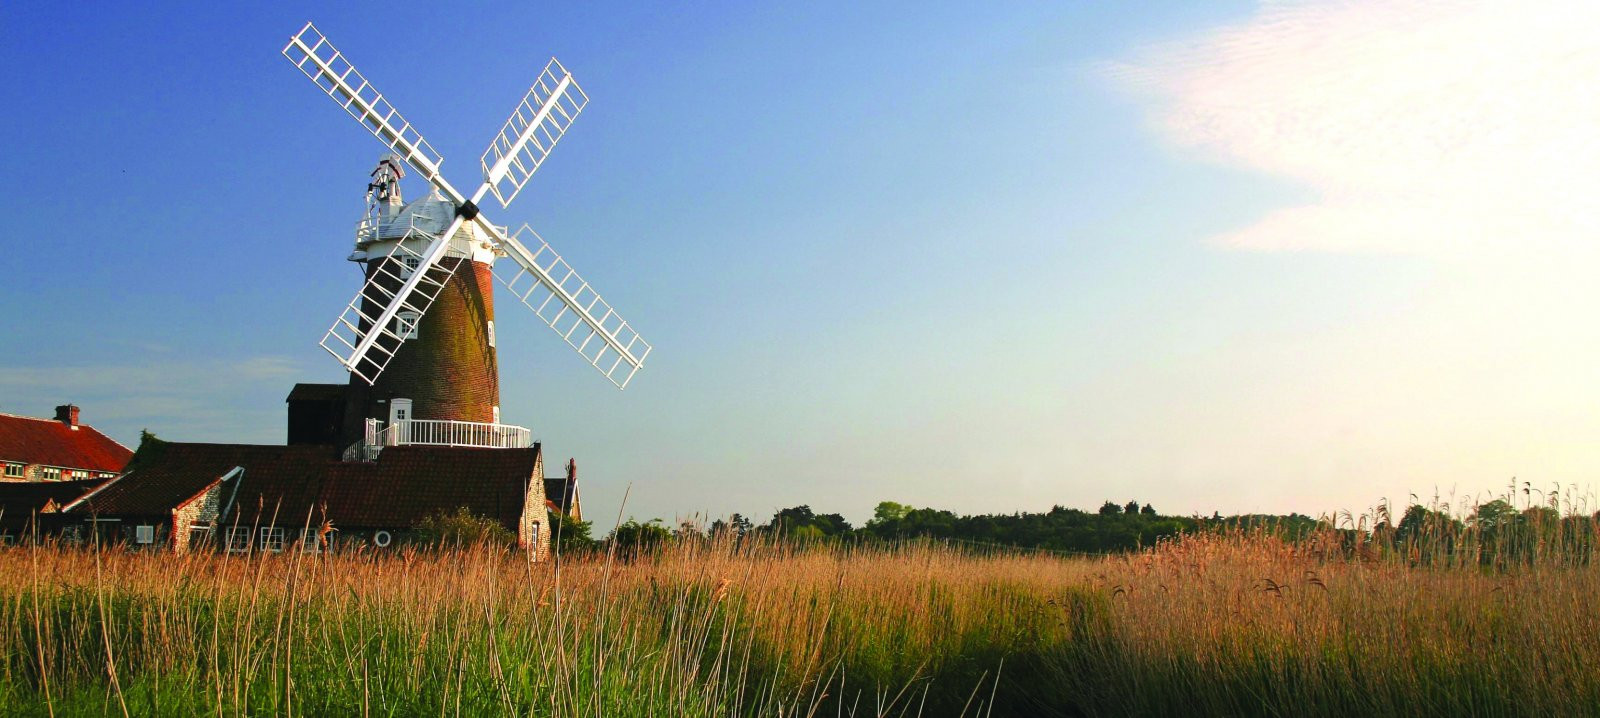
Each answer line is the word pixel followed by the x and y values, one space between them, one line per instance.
pixel 408 265
pixel 405 325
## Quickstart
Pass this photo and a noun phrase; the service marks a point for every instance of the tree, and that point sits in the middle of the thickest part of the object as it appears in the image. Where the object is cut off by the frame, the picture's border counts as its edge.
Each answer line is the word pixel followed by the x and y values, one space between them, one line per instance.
pixel 569 534
pixel 1132 507
pixel 1110 507
pixel 789 522
pixel 1147 510
pixel 632 538
pixel 888 512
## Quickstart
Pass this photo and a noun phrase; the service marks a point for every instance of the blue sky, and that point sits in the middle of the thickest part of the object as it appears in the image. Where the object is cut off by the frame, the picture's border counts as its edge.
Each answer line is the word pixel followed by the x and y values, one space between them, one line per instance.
pixel 1287 257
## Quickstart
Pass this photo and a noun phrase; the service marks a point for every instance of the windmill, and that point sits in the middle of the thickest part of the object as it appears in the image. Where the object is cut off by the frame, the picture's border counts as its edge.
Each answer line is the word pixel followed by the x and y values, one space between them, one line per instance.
pixel 418 338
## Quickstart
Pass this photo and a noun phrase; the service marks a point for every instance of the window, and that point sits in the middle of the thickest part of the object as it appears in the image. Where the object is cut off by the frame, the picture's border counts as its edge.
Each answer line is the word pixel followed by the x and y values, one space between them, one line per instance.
pixel 144 534
pixel 405 325
pixel 533 537
pixel 310 541
pixel 272 539
pixel 408 266
pixel 77 475
pixel 49 473
pixel 497 415
pixel 104 475
pixel 238 539
pixel 13 471
pixel 491 333
pixel 200 537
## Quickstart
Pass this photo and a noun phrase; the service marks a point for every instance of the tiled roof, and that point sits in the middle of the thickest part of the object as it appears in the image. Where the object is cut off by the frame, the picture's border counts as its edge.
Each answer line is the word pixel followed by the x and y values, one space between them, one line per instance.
pixel 52 443
pixel 169 474
pixel 317 392
pixel 292 485
pixel 19 500
pixel 409 483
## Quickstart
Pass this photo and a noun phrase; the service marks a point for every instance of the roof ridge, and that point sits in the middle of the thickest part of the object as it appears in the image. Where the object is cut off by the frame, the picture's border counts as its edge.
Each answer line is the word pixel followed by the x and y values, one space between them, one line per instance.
pixel 58 421
pixel 20 416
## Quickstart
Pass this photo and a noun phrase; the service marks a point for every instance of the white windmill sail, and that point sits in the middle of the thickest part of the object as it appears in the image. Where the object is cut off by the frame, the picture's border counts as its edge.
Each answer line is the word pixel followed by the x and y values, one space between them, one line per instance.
pixel 539 121
pixel 364 340
pixel 310 51
pixel 544 282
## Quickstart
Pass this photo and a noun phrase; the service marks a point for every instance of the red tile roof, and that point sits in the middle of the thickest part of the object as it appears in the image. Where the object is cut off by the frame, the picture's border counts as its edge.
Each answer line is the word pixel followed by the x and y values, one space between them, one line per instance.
pixel 52 443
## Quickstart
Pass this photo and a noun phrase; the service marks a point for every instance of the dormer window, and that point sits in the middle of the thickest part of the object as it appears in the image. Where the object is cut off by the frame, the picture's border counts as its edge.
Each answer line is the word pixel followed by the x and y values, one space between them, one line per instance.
pixel 13 471
pixel 405 325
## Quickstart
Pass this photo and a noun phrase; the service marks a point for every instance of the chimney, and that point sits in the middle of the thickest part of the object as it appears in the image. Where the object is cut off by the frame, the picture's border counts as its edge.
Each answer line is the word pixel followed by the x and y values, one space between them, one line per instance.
pixel 572 471
pixel 68 414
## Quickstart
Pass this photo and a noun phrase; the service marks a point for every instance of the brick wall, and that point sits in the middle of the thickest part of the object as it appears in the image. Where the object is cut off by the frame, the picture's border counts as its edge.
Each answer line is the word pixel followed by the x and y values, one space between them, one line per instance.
pixel 533 514
pixel 203 509
pixel 449 371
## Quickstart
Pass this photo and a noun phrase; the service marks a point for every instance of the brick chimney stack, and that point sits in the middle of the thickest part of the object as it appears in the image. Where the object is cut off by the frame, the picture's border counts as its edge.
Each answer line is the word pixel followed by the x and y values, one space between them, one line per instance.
pixel 68 414
pixel 572 470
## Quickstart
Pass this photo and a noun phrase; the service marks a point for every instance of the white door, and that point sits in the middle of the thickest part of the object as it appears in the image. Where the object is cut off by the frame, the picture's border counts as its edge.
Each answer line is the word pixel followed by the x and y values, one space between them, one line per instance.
pixel 399 414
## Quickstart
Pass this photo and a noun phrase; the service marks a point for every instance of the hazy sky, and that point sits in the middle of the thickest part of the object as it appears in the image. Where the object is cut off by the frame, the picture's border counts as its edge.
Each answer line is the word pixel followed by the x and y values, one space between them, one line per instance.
pixel 1238 257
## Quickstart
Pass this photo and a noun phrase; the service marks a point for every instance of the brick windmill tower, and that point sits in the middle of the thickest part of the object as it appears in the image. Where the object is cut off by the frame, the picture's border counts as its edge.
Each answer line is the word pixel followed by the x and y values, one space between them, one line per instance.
pixel 419 337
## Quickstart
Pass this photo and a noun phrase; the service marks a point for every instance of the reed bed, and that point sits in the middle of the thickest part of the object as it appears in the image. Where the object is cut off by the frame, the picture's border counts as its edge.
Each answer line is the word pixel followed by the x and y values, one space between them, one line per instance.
pixel 1240 623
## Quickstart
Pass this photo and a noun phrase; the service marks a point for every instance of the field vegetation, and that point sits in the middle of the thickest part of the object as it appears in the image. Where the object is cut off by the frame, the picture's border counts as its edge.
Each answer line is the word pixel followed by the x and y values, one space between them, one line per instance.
pixel 1429 616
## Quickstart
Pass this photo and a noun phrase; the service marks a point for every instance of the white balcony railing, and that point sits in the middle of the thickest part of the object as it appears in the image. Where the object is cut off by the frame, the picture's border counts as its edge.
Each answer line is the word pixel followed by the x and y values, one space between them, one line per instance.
pixel 430 432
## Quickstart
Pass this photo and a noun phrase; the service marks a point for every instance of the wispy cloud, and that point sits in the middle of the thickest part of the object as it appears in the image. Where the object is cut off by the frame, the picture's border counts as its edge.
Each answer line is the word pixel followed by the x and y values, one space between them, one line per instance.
pixel 1423 127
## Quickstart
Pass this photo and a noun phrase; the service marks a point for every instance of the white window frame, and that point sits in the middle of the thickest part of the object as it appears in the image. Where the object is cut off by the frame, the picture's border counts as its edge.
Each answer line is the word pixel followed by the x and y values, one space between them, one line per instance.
pixel 49 473
pixel 533 537
pixel 406 325
pixel 310 541
pixel 272 538
pixel 409 265
pixel 76 474
pixel 104 475
pixel 234 543
pixel 144 534
pixel 15 470
pixel 491 333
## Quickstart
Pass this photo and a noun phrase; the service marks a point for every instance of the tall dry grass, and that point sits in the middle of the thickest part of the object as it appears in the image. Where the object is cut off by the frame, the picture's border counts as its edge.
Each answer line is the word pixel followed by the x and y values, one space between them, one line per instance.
pixel 1239 624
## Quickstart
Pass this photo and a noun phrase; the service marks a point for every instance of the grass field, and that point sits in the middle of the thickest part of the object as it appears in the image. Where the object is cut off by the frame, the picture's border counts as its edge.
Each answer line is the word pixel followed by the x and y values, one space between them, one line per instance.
pixel 1239 623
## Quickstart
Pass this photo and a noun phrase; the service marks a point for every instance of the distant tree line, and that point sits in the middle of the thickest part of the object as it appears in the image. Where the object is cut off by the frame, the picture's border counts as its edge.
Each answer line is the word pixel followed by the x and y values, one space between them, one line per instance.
pixel 1496 533
pixel 1113 528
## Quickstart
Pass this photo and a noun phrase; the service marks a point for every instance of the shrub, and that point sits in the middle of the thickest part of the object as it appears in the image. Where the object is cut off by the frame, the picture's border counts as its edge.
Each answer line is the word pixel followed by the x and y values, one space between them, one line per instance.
pixel 463 528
